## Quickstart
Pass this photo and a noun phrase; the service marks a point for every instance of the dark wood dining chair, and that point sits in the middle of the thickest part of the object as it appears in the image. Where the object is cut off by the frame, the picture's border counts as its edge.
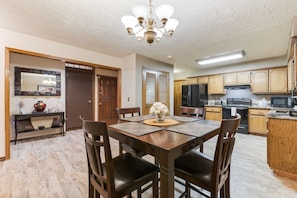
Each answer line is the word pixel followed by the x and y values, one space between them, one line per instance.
pixel 212 175
pixel 193 112
pixel 124 113
pixel 114 177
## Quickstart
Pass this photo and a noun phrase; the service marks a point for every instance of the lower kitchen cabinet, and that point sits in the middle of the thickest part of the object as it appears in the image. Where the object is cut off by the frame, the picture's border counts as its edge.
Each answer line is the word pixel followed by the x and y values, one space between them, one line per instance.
pixel 282 147
pixel 213 113
pixel 257 122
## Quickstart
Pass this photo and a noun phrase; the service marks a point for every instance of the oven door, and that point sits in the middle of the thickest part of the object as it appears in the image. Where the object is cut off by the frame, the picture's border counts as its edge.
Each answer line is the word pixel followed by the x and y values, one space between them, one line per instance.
pixel 243 112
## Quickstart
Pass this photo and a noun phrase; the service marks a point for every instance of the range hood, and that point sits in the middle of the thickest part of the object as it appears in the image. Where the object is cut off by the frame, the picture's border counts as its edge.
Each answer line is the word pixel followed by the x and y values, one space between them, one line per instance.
pixel 235 87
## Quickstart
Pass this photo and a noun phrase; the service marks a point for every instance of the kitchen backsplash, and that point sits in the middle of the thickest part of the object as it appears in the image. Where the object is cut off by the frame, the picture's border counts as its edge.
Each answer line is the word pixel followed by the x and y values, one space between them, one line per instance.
pixel 240 93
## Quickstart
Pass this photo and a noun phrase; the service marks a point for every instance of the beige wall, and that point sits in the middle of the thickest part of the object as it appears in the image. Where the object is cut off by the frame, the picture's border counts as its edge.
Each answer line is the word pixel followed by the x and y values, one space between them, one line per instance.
pixel 130 75
pixel 148 63
pixel 20 41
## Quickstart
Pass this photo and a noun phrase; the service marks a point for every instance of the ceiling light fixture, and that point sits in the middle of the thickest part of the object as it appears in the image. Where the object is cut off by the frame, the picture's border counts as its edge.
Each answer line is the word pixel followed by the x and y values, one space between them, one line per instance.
pixel 144 26
pixel 221 57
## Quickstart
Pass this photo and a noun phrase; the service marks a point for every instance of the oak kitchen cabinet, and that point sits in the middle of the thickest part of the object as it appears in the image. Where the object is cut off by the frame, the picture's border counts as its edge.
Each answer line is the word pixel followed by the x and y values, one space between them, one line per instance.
pixel 259 81
pixel 216 84
pixel 278 80
pixel 213 113
pixel 202 80
pixel 291 75
pixel 239 78
pixel 292 63
pixel 257 122
pixel 191 81
pixel 273 80
pixel 282 147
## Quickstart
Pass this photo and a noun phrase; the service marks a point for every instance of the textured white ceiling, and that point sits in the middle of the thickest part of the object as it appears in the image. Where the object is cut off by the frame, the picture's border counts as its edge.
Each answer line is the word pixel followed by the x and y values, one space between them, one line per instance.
pixel 206 27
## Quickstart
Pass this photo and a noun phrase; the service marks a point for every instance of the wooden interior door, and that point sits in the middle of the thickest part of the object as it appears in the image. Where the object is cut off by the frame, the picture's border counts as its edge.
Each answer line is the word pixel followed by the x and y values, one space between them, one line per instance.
pixel 107 98
pixel 155 88
pixel 79 92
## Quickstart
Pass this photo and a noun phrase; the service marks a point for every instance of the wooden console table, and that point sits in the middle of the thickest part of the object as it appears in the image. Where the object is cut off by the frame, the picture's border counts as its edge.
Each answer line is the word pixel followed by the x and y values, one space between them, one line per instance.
pixel 22 122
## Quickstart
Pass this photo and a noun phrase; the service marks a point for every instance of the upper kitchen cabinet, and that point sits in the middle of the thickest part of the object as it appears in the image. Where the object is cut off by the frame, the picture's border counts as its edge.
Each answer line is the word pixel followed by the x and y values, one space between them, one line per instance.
pixel 291 75
pixel 191 81
pixel 216 84
pixel 240 78
pixel 202 80
pixel 230 79
pixel 278 80
pixel 259 81
pixel 243 78
pixel 270 81
pixel 292 65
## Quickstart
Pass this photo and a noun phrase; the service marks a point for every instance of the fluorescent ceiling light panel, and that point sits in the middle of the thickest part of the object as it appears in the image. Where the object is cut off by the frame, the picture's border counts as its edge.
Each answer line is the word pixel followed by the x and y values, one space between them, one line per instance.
pixel 221 57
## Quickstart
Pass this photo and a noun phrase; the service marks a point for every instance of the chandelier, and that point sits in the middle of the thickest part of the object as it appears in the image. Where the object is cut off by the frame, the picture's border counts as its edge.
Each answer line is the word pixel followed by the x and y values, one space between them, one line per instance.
pixel 145 26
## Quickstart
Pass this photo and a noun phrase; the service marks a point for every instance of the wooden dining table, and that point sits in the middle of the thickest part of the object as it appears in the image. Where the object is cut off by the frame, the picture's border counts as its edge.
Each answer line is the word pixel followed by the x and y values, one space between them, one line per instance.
pixel 165 143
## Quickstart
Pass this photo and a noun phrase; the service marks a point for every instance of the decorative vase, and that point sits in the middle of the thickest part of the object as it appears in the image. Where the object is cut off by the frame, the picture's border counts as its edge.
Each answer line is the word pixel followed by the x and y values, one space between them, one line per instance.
pixel 39 106
pixel 160 117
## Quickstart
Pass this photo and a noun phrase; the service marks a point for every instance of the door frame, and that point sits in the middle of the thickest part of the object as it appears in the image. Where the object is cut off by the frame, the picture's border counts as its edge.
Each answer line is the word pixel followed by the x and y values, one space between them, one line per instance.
pixel 7 82
pixel 157 76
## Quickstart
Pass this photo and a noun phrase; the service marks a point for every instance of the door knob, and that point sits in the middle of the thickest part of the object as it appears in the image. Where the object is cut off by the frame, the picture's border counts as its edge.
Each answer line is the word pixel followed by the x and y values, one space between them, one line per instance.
pixel 89 101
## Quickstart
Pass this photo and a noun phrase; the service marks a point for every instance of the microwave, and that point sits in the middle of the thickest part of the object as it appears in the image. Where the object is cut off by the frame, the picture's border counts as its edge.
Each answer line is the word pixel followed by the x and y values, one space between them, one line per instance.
pixel 281 101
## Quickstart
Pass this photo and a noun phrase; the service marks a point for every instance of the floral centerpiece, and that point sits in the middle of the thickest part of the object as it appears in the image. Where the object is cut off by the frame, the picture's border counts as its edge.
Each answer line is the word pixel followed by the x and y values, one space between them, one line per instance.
pixel 159 110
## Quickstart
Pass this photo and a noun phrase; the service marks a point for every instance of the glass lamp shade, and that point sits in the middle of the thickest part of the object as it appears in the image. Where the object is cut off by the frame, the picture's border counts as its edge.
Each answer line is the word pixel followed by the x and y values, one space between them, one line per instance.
pixel 171 24
pixel 164 11
pixel 139 33
pixel 140 11
pixel 129 21
pixel 159 34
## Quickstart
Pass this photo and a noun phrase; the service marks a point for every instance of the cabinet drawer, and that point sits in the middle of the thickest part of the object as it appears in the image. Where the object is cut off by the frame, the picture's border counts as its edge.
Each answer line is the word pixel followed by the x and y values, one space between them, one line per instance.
pixel 213 109
pixel 258 112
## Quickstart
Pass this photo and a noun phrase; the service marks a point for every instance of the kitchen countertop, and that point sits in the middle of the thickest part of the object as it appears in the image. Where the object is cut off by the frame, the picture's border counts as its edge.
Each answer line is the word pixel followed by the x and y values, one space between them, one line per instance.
pixel 281 114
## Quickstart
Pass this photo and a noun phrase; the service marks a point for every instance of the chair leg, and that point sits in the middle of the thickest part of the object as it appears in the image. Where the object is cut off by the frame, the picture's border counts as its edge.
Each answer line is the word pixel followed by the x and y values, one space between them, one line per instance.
pixel 227 187
pixel 201 148
pixel 155 186
pixel 92 193
pixel 223 192
pixel 188 190
pixel 139 192
pixel 120 148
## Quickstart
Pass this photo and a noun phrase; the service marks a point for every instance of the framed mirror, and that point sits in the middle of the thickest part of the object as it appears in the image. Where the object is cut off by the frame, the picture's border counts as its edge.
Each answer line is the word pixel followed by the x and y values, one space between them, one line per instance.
pixel 36 82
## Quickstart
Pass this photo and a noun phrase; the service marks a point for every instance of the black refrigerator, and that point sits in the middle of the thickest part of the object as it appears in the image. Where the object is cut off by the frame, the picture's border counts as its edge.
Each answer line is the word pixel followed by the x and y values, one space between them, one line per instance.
pixel 194 95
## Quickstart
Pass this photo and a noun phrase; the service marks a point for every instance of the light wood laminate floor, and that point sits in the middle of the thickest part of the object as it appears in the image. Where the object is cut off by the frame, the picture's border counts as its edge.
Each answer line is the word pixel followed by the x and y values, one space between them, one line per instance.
pixel 56 167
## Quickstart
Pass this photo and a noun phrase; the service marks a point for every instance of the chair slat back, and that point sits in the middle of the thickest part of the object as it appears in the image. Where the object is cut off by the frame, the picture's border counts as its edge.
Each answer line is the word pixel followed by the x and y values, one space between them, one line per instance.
pixel 193 111
pixel 224 149
pixel 99 155
pixel 128 112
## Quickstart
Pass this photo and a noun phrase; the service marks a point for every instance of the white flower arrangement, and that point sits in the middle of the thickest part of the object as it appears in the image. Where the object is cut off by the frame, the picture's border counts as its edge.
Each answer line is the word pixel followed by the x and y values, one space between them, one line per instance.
pixel 159 108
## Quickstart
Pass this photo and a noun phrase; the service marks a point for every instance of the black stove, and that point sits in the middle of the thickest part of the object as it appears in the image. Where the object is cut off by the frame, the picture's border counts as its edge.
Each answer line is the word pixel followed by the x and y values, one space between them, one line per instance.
pixel 240 106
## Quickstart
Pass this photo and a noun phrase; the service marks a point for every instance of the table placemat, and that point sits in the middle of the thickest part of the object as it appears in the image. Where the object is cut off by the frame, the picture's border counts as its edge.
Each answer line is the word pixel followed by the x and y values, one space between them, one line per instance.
pixel 135 128
pixel 193 128
pixel 211 122
pixel 183 118
pixel 137 118
pixel 167 122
